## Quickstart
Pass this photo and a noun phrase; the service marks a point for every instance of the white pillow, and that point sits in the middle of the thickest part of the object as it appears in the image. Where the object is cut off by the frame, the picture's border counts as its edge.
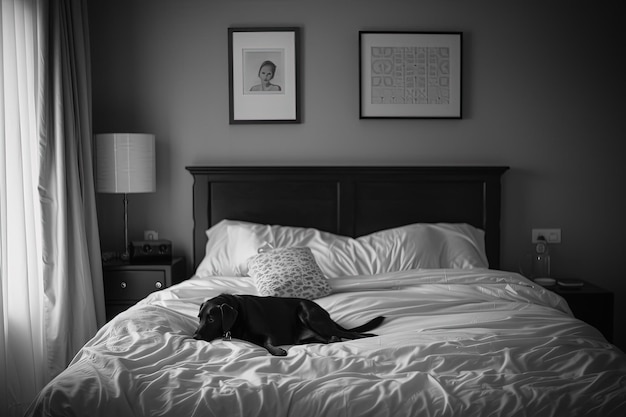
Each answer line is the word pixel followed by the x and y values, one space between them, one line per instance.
pixel 231 242
pixel 229 246
pixel 420 245
pixel 288 272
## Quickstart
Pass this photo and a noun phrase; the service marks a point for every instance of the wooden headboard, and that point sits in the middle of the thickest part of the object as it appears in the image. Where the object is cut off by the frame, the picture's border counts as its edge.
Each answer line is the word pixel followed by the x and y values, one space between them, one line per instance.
pixel 351 201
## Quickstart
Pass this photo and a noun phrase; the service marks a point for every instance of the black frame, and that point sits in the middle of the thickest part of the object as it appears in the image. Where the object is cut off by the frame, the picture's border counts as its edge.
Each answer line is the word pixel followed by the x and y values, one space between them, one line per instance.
pixel 278 104
pixel 433 40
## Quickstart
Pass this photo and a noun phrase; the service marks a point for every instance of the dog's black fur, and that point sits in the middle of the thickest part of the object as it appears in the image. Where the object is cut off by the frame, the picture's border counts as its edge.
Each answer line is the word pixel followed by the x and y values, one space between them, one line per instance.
pixel 273 321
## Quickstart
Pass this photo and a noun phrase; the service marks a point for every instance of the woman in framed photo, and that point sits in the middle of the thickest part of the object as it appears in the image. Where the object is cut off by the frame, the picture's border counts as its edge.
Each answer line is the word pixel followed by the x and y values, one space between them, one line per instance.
pixel 266 73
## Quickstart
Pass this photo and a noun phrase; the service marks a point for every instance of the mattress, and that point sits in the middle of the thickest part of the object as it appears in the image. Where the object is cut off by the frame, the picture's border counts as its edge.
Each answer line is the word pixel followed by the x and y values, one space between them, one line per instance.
pixel 455 342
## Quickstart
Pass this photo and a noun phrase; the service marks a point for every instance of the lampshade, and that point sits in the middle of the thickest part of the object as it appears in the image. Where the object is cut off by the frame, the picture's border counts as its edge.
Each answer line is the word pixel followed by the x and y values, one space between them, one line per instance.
pixel 125 163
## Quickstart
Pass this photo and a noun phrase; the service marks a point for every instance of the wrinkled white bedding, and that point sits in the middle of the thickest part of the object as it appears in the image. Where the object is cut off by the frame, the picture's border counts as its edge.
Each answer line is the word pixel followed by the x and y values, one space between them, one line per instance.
pixel 455 343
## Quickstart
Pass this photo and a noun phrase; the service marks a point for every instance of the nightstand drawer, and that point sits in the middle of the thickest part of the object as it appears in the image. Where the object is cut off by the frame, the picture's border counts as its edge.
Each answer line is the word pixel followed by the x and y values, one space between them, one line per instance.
pixel 127 283
pixel 132 285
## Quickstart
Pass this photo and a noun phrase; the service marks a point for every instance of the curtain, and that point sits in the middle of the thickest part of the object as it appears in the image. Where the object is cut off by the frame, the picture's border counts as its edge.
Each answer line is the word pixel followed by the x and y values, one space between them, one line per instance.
pixel 23 355
pixel 51 277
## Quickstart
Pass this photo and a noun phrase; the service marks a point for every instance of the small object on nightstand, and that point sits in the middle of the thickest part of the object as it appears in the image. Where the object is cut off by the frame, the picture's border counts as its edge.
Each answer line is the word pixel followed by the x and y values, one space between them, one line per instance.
pixel 541 259
pixel 570 283
pixel 151 251
pixel 545 282
pixel 150 235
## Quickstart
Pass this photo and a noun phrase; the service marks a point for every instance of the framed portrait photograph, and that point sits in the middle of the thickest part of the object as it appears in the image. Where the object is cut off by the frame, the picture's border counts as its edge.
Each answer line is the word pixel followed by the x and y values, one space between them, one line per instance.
pixel 264 75
pixel 410 75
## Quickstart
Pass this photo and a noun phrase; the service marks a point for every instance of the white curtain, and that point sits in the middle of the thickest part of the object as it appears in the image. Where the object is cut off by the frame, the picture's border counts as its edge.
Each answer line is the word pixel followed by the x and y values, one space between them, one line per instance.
pixel 51 281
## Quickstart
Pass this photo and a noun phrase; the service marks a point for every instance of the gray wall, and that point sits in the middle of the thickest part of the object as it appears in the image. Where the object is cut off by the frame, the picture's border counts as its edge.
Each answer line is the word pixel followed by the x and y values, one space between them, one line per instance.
pixel 543 93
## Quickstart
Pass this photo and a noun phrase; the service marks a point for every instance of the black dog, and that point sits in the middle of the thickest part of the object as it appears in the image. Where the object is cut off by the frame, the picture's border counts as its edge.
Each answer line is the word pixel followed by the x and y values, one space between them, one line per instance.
pixel 273 321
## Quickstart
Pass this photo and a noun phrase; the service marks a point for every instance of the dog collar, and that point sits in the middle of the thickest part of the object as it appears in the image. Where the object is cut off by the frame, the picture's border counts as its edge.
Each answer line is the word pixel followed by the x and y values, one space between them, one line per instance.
pixel 226 335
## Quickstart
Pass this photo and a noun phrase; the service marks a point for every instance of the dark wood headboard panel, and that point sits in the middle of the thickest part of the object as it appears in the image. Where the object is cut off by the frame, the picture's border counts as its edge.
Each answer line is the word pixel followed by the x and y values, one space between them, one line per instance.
pixel 350 201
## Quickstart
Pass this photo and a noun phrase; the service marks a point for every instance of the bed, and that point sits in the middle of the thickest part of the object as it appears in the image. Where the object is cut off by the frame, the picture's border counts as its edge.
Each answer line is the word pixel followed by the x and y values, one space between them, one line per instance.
pixel 418 245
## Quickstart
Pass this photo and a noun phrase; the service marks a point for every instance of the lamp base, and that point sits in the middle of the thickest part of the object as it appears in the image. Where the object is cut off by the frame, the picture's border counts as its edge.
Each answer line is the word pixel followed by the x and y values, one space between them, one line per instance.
pixel 125 256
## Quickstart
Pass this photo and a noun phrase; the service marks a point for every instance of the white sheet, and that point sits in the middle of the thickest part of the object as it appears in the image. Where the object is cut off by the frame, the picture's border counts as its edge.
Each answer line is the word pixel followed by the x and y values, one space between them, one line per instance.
pixel 455 343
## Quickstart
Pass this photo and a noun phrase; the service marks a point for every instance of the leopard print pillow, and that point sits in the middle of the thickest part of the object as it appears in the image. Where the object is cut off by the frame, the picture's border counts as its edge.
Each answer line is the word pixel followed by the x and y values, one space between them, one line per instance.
pixel 288 272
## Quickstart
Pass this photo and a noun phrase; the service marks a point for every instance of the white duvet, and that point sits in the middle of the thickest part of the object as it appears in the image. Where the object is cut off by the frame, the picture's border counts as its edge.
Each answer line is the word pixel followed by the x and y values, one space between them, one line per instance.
pixel 455 343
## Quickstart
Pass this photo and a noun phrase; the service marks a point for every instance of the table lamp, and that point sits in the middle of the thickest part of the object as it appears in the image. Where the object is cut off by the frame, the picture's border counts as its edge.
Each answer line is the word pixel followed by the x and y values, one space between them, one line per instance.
pixel 125 164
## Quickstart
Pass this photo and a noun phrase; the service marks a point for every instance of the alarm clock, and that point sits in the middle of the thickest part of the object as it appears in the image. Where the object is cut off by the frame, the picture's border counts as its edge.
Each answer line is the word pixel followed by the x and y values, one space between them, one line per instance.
pixel 151 251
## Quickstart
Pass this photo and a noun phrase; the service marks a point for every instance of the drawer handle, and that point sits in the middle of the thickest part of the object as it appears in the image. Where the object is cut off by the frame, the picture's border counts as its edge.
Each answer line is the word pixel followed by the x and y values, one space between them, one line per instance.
pixel 158 285
pixel 123 284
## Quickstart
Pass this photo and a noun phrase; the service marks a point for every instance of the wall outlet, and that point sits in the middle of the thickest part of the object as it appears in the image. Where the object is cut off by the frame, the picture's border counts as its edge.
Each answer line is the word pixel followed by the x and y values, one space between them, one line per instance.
pixel 550 235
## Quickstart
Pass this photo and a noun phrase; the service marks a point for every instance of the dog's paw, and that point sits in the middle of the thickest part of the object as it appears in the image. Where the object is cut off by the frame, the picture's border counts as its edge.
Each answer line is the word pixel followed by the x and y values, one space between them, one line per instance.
pixel 274 350
pixel 281 352
pixel 278 351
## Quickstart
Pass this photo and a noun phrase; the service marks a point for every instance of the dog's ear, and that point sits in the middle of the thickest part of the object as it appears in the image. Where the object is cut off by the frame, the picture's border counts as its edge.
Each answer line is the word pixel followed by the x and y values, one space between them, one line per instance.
pixel 229 314
pixel 202 308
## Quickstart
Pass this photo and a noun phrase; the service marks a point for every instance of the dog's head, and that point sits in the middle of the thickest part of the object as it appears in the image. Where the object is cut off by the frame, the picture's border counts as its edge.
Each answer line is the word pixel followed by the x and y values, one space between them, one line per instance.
pixel 217 316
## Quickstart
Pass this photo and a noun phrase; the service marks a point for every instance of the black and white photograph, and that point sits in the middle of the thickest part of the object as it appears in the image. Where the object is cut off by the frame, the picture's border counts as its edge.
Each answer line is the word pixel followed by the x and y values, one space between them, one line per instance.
pixel 264 75
pixel 312 208
pixel 263 71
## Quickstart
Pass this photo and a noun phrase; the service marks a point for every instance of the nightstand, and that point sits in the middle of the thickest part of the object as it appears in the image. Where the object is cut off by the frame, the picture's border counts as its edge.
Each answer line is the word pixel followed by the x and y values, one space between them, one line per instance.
pixel 126 283
pixel 591 304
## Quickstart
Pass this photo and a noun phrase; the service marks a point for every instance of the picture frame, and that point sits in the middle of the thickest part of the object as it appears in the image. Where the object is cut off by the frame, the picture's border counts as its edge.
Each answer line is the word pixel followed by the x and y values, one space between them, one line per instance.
pixel 264 75
pixel 410 75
